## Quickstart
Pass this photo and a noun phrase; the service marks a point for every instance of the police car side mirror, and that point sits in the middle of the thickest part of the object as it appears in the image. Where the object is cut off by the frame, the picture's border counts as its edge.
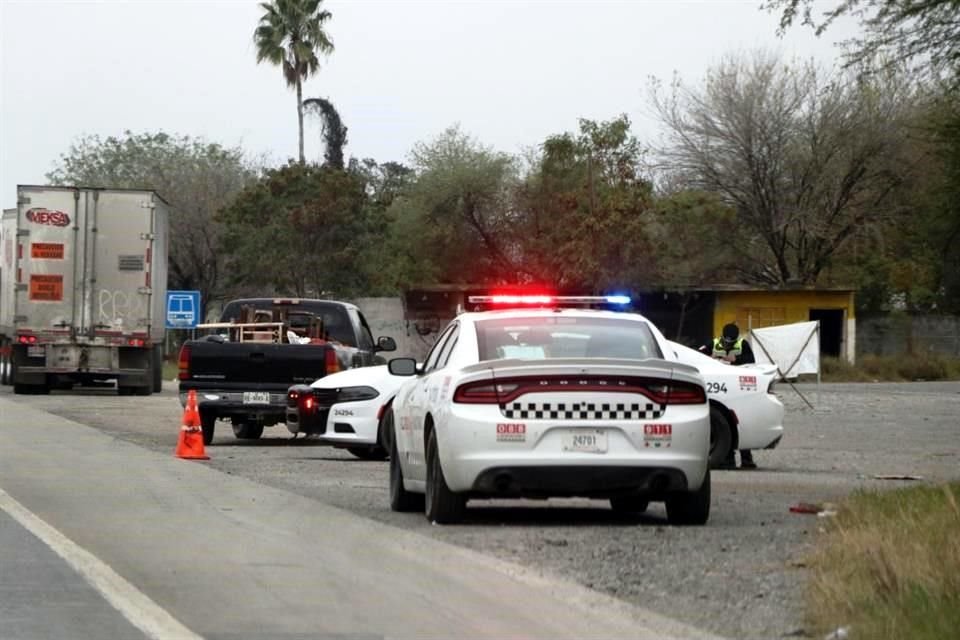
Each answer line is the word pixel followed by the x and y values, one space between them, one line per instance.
pixel 385 343
pixel 402 367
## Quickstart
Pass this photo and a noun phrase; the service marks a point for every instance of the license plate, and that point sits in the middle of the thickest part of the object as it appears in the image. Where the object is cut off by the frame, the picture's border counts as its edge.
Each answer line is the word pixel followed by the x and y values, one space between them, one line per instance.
pixel 256 397
pixel 585 441
pixel 36 351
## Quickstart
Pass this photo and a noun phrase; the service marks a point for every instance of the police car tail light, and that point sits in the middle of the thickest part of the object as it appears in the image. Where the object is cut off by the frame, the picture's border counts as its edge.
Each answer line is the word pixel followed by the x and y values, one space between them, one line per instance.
pixel 484 392
pixel 661 391
pixel 183 363
pixel 685 393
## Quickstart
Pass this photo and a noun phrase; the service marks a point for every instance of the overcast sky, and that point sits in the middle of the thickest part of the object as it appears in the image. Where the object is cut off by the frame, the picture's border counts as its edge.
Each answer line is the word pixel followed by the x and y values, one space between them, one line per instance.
pixel 510 72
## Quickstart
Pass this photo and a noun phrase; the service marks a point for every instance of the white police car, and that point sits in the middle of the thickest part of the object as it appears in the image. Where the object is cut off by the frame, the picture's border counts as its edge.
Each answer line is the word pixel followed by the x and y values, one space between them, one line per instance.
pixel 744 412
pixel 346 410
pixel 540 402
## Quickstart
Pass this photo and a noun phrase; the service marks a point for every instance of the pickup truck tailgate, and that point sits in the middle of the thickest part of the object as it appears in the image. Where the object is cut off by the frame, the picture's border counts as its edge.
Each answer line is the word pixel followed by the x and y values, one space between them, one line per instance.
pixel 282 365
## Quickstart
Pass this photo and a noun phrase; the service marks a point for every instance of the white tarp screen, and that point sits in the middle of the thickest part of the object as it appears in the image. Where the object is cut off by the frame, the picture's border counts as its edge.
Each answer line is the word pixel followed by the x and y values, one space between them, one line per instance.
pixel 794 348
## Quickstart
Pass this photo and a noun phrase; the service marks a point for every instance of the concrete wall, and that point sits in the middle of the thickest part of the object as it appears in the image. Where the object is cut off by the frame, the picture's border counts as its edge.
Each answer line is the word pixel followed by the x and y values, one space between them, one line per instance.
pixel 900 333
pixel 385 316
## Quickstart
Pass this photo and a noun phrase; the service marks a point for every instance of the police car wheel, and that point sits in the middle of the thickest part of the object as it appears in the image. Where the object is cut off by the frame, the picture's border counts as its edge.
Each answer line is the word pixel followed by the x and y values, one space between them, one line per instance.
pixel 443 506
pixel 401 500
pixel 368 453
pixel 721 438
pixel 690 508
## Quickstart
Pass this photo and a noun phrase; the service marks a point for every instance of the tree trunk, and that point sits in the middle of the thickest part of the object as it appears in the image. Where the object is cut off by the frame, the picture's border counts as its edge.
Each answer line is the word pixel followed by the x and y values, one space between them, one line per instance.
pixel 300 118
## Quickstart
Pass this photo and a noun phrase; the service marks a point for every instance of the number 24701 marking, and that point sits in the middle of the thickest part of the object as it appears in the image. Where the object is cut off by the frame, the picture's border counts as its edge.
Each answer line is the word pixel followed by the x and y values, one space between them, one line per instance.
pixel 716 387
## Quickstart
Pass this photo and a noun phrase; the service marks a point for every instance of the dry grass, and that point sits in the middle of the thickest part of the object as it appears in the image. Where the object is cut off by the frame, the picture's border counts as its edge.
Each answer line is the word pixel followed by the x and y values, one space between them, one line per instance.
pixel 888 566
pixel 891 368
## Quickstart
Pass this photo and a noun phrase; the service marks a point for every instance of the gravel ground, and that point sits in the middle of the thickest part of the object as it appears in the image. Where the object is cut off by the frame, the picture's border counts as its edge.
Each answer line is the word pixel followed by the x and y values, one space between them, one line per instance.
pixel 741 576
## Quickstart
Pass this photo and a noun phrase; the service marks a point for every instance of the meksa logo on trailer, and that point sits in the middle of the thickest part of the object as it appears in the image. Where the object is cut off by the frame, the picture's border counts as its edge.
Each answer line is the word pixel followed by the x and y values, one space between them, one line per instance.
pixel 39 215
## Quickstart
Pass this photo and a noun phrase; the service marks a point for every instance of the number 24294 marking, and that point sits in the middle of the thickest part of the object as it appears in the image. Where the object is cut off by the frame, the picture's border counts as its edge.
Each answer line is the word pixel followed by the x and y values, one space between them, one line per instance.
pixel 716 387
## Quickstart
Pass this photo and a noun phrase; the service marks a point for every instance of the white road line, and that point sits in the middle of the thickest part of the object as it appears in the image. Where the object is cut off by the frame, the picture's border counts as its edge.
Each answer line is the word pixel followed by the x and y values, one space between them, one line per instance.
pixel 142 612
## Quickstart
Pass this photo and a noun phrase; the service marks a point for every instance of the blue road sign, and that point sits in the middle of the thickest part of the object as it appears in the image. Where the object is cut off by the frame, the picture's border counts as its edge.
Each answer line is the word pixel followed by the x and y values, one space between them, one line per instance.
pixel 183 309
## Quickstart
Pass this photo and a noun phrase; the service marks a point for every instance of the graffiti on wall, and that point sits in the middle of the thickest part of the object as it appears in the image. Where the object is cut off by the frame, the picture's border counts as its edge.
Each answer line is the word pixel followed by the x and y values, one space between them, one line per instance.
pixel 120 309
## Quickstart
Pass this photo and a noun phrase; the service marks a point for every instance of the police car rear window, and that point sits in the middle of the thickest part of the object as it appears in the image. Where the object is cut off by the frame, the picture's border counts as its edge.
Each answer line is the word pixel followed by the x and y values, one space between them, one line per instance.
pixel 541 337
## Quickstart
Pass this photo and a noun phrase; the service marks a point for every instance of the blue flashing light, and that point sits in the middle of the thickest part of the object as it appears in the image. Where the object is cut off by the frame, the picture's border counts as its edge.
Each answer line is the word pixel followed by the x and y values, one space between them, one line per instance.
pixel 618 299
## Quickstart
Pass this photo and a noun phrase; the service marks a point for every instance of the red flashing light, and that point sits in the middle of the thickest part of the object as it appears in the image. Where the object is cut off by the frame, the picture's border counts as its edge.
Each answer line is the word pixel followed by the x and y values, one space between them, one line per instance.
pixel 308 403
pixel 27 339
pixel 511 299
pixel 136 342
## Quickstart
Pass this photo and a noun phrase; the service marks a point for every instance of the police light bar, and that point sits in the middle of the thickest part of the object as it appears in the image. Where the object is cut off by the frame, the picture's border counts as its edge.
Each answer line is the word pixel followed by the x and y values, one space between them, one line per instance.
pixel 546 300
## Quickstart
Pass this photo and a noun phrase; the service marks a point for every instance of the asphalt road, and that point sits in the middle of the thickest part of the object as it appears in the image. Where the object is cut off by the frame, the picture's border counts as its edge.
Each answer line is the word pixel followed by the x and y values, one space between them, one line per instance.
pixel 740 576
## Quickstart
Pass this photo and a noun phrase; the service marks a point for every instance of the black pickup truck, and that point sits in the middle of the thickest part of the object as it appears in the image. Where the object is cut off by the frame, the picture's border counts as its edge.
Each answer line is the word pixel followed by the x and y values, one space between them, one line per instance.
pixel 263 346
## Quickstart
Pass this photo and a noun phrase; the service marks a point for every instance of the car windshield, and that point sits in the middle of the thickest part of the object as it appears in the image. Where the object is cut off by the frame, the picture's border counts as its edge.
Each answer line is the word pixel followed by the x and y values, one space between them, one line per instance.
pixel 539 337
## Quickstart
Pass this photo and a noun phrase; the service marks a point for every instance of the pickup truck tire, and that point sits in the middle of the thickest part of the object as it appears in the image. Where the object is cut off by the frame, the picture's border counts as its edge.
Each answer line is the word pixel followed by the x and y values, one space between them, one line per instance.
pixel 247 430
pixel 401 500
pixel 208 424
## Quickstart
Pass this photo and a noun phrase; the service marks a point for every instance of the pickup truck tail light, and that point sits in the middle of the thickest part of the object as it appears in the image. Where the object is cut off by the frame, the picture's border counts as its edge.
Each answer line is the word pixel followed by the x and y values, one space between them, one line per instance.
pixel 331 361
pixel 183 363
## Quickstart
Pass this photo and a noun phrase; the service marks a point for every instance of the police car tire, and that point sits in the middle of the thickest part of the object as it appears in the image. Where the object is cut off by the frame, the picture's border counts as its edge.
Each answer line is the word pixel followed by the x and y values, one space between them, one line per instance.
pixel 721 438
pixel 443 506
pixel 401 500
pixel 208 424
pixel 629 504
pixel 690 508
pixel 368 453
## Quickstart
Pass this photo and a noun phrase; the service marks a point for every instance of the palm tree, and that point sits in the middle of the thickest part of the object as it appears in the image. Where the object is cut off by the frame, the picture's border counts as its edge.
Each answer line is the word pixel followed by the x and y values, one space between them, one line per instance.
pixel 290 35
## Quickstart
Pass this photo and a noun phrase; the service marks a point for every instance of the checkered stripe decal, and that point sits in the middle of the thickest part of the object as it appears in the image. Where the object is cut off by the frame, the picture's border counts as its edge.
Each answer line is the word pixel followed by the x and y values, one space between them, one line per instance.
pixel 582 411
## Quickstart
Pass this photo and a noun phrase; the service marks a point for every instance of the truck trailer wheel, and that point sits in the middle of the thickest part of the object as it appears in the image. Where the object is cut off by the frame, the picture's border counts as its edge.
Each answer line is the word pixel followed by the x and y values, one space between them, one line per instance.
pixel 31 389
pixel 157 369
pixel 6 362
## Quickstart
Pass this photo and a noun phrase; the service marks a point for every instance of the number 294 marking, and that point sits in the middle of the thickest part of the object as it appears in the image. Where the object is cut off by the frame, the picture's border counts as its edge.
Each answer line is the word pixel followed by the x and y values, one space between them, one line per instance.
pixel 716 387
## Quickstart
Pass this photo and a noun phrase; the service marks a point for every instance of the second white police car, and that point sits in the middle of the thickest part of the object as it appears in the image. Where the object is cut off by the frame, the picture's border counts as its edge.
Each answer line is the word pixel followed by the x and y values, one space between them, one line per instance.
pixel 541 402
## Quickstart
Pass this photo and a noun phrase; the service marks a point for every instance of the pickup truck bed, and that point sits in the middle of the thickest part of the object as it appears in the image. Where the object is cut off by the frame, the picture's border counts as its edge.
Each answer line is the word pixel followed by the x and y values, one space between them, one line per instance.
pixel 242 372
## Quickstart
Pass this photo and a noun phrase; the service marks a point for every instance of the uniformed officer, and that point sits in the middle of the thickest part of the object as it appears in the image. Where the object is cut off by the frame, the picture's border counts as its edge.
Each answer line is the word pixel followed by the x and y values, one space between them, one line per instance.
pixel 733 349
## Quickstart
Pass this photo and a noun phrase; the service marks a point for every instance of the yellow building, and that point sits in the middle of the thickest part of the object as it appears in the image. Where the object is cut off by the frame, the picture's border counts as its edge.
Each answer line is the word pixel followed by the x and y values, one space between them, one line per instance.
pixel 751 308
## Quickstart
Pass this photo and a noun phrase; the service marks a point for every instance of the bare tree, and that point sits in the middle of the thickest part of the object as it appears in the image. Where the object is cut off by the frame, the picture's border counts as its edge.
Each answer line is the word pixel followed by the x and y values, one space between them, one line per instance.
pixel 921 34
pixel 804 156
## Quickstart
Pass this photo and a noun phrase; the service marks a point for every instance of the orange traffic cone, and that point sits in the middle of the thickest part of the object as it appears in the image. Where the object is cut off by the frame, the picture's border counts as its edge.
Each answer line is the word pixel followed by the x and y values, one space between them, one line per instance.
pixel 190 444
